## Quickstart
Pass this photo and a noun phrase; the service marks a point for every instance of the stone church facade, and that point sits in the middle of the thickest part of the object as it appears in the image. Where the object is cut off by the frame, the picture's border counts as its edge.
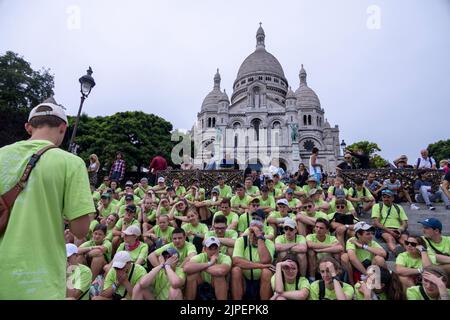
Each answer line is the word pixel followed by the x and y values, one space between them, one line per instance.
pixel 264 119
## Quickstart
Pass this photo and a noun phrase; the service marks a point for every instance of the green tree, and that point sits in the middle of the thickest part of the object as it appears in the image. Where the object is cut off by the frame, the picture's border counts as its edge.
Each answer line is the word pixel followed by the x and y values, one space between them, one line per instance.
pixel 370 149
pixel 21 88
pixel 440 150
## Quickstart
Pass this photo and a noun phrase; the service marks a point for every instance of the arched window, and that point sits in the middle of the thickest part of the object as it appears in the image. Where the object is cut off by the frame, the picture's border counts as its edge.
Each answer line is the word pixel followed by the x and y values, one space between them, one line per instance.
pixel 214 122
pixel 276 125
pixel 309 120
pixel 304 120
pixel 203 124
pixel 317 121
pixel 255 124
pixel 236 138
pixel 236 125
pixel 292 118
pixel 256 97
pixel 209 122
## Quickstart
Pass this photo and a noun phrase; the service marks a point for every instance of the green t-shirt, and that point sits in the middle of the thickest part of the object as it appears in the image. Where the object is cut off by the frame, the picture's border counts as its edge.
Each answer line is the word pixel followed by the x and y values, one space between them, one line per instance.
pixel 105 212
pixel 106 243
pixel 182 253
pixel 122 211
pixel 413 293
pixel 294 202
pixel 269 202
pixel 32 249
pixel 231 234
pixel 240 251
pixel 395 217
pixel 236 201
pixel 307 188
pixel 140 192
pixel 151 215
pixel 141 252
pixel 362 254
pixel 232 217
pixel 277 215
pixel 120 224
pixel 360 296
pixel 244 221
pixel 166 235
pixel 276 193
pixel 109 234
pixel 80 278
pixel 252 191
pixel 225 192
pixel 111 278
pixel 96 196
pixel 443 246
pixel 180 190
pixel 406 260
pixel 314 291
pixel 198 230
pixel 268 231
pixel 280 185
pixel 316 214
pixel 331 190
pixel 359 194
pixel 136 200
pixel 302 283
pixel 281 239
pixel 203 258
pixel 162 283
pixel 91 228
pixel 329 239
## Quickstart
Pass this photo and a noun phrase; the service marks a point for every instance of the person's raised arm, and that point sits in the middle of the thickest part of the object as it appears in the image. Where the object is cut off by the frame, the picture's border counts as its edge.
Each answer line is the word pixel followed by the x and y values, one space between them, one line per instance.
pixel 245 264
pixel 279 284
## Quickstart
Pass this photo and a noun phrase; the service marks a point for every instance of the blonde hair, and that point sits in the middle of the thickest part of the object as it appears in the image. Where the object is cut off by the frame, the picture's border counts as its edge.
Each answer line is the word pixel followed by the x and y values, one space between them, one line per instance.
pixel 95 158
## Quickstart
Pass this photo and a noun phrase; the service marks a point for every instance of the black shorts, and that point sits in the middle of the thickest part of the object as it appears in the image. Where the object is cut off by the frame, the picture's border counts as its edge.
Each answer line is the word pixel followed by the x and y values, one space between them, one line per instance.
pixel 252 290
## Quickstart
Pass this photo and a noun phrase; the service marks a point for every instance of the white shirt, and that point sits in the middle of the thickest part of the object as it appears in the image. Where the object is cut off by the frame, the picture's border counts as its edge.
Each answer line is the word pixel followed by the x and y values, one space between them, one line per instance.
pixel 425 163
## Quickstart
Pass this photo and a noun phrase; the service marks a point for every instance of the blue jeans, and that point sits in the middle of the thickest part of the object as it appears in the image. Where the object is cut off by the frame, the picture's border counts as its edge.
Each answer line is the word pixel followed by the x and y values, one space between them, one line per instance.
pixel 115 175
pixel 428 197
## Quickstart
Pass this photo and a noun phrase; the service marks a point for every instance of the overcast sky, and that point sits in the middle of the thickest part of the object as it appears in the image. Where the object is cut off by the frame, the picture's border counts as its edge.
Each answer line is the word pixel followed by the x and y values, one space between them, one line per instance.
pixel 385 80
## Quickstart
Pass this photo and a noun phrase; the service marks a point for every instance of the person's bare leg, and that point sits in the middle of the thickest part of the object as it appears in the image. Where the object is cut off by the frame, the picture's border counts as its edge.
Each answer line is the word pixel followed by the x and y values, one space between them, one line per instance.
pixel 115 244
pixel 406 282
pixel 368 206
pixel 301 228
pixel 175 294
pixel 140 293
pixel 340 235
pixel 265 290
pixel 390 241
pixel 97 264
pixel 347 266
pixel 303 262
pixel 192 281
pixel 237 287
pixel 220 287
pixel 379 261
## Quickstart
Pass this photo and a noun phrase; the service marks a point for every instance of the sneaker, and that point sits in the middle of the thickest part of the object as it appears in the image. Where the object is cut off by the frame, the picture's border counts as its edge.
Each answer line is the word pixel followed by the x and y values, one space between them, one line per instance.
pixel 414 207
pixel 431 208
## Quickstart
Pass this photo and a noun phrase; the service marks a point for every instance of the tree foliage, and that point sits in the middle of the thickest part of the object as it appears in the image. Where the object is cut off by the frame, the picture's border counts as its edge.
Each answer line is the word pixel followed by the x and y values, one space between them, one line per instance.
pixel 440 150
pixel 370 149
pixel 21 88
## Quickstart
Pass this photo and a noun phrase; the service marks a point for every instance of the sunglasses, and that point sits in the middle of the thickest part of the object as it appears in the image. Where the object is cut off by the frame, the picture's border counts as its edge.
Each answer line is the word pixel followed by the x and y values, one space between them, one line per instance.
pixel 309 206
pixel 288 229
pixel 412 244
pixel 340 206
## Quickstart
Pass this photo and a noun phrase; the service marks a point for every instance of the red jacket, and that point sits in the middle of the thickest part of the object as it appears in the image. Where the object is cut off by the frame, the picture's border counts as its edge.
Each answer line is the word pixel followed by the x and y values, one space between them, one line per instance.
pixel 158 163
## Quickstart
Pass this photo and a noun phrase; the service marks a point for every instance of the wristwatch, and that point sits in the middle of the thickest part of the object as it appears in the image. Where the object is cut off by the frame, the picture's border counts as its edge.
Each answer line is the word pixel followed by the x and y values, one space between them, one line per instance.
pixel 210 263
pixel 365 246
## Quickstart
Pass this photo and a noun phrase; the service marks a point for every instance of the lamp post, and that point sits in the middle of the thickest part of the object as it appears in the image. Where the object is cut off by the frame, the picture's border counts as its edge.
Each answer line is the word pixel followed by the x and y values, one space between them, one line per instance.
pixel 343 145
pixel 86 85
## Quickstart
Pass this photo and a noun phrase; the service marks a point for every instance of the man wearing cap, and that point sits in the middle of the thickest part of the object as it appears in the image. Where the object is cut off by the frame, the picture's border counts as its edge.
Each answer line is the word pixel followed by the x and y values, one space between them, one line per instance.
pixel 361 197
pixel 130 200
pixel 121 278
pixel 306 218
pixel 210 266
pixel 277 218
pixel 250 189
pixel 297 190
pixel 293 202
pixel 107 205
pixel 130 193
pixel 138 250
pixel 311 184
pixel 362 252
pixel 266 201
pixel 436 242
pixel 118 167
pixel 165 281
pixel 186 250
pixel 267 230
pixel 337 189
pixel 122 224
pixel 32 248
pixel 316 195
pixel 396 187
pixel 252 260
pixel 390 219
pixel 160 188
pixel 225 210
pixel 227 237
pixel 292 243
pixel 224 189
pixel 240 201
pixel 79 276
pixel 142 188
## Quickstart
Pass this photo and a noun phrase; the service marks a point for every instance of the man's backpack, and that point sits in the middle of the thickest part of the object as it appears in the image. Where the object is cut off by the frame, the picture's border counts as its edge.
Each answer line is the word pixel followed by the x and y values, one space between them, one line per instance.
pixel 420 159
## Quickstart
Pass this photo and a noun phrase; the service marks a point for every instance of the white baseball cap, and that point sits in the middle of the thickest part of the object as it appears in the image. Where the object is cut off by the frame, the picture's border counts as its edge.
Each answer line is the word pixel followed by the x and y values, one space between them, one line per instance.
pixel 212 240
pixel 56 110
pixel 133 230
pixel 288 222
pixel 71 249
pixel 161 179
pixel 283 201
pixel 362 226
pixel 120 259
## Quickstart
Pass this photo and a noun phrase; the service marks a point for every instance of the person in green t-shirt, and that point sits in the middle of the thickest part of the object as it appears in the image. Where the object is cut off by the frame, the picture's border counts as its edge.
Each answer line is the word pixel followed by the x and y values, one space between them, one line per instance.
pixel 105 206
pixel 409 265
pixel 129 200
pixel 330 287
pixel 297 190
pixel 97 252
pixel 195 230
pixel 336 189
pixel 208 207
pixel 342 221
pixel 163 207
pixel 122 224
pixel 250 189
pixel 111 222
pixel 436 242
pixel 316 195
pixel 142 188
pixel 277 218
pixel 321 244
pixel 178 213
pixel 179 189
pixel 240 202
pixel 362 252
pixel 292 243
pixel 252 262
pixel 277 184
pixel 391 220
pixel 390 287
pixel 225 210
pixel 226 236
pixel 361 197
pixel 121 278
pixel 32 249
pixel 129 191
pixel 311 184
pixel 160 234
pixel 224 189
pixel 186 250
pixel 165 281
pixel 211 267
pixel 79 276
pixel 105 185
pixel 293 202
pixel 306 219
pixel 287 282
pixel 115 189
pixel 266 201
pixel 434 286
pixel 274 192
pixel 147 216
pixel 138 250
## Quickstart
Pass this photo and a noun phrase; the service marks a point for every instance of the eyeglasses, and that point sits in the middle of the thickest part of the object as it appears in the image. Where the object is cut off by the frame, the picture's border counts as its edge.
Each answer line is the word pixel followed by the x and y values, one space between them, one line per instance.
pixel 309 206
pixel 288 229
pixel 412 244
pixel 340 206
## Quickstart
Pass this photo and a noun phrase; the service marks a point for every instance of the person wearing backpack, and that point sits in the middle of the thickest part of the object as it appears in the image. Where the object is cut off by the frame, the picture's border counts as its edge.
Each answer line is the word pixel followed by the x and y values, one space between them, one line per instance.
pixel 79 276
pixel 32 247
pixel 287 282
pixel 433 287
pixel 390 221
pixel 342 221
pixel 330 287
pixel 436 242
pixel 425 162
pixel 336 189
pixel 361 197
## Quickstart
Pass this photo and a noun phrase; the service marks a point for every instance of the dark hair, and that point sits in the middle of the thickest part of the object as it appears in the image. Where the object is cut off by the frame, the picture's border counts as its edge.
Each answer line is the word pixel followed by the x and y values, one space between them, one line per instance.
pixel 336 264
pixel 45 121
pixel 359 181
pixel 315 150
pixel 392 285
pixel 437 271
pixel 220 219
pixel 240 185
pixel 307 200
pixel 102 227
pixel 225 201
pixel 179 230
pixel 341 201
pixel 324 221
pixel 293 258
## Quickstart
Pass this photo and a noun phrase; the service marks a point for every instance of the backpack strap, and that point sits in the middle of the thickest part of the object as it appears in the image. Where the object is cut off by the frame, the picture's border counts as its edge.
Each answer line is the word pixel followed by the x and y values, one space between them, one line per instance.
pixel 249 245
pixel 321 290
pixel 418 163
pixel 434 248
pixel 422 292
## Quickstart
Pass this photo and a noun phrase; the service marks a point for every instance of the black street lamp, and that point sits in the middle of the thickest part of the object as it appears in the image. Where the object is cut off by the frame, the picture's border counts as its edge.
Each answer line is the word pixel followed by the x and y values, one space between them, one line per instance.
pixel 86 85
